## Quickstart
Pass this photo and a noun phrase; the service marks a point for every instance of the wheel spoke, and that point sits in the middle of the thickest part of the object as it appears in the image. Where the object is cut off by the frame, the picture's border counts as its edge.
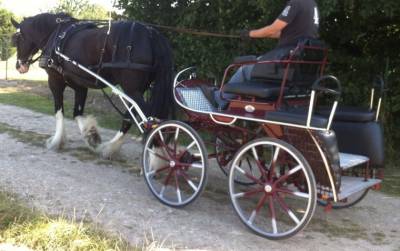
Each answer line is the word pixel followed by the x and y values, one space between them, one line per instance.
pixel 273 215
pixel 162 192
pixel 290 172
pixel 255 154
pixel 273 164
pixel 178 191
pixel 161 136
pixel 286 208
pixel 190 146
pixel 167 179
pixel 162 169
pixel 176 139
pixel 157 155
pixel 258 163
pixel 298 194
pixel 187 179
pixel 248 193
pixel 161 141
pixel 194 165
pixel 251 177
pixel 261 203
pixel 252 217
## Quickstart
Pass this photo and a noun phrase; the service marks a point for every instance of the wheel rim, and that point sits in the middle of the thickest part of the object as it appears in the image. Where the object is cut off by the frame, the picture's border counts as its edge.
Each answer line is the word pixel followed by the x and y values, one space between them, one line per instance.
pixel 174 164
pixel 276 191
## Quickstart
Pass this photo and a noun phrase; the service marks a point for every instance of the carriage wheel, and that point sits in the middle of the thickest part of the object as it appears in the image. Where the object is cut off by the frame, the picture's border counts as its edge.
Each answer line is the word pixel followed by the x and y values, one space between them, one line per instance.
pixel 283 198
pixel 175 163
pixel 348 202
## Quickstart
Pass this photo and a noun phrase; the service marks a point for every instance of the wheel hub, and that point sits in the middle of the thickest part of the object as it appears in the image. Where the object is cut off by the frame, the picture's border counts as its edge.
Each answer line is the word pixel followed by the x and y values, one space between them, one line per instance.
pixel 268 188
pixel 172 163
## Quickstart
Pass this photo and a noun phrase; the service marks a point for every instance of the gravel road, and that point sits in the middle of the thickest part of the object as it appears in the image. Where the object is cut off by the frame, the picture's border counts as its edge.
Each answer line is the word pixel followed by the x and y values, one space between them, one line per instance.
pixel 114 195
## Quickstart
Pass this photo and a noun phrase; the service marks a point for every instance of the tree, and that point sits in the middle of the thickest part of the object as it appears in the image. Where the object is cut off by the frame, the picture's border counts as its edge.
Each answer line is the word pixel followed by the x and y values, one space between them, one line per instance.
pixel 6 29
pixel 81 9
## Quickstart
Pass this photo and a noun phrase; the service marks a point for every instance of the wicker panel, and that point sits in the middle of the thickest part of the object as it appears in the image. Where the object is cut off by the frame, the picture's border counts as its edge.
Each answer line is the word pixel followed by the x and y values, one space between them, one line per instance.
pixel 303 142
pixel 195 99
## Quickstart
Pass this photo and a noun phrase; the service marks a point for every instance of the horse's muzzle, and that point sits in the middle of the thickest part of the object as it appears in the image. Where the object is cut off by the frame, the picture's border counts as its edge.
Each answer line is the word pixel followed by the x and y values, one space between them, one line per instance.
pixel 22 67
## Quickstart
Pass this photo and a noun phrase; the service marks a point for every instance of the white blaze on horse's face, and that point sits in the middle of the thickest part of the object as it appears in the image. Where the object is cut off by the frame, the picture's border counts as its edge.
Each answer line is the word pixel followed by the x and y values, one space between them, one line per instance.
pixel 26 49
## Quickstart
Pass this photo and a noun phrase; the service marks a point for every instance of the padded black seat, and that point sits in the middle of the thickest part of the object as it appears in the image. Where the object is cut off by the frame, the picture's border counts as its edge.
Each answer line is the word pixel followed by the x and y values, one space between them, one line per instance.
pixel 297 117
pixel 348 114
pixel 263 90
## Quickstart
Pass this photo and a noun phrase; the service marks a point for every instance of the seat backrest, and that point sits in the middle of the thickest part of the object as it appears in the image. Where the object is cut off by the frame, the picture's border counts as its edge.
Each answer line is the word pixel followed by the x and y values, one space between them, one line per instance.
pixel 308 58
pixel 304 64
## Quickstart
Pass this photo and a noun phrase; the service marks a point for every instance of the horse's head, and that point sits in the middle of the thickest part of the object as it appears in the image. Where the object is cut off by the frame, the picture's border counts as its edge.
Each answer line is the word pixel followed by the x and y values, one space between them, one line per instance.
pixel 32 35
pixel 26 46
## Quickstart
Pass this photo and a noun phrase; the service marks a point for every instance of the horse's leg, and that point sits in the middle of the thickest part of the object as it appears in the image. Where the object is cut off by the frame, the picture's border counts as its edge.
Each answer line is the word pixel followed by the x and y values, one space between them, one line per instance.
pixel 57 87
pixel 87 125
pixel 107 149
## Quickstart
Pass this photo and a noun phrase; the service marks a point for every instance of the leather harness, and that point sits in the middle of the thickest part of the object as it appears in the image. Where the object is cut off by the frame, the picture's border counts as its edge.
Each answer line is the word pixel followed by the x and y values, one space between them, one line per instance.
pixel 67 29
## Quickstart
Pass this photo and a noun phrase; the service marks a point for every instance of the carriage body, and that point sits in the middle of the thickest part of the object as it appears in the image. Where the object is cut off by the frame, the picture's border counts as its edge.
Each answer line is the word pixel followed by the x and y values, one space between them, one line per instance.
pixel 342 146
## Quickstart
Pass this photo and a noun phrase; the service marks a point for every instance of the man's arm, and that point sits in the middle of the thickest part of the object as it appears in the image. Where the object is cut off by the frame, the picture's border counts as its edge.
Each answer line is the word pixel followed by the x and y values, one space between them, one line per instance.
pixel 272 31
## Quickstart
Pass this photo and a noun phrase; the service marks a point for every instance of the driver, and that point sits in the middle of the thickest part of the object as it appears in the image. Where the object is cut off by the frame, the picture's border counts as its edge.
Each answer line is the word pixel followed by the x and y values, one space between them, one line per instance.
pixel 299 20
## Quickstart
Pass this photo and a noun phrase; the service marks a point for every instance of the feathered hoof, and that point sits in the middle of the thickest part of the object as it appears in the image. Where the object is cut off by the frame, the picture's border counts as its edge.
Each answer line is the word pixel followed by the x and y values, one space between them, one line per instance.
pixel 108 149
pixel 55 143
pixel 88 128
pixel 92 138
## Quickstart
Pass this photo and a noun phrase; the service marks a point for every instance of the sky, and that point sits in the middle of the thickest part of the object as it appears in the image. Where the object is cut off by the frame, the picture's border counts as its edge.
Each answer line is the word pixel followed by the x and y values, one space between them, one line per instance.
pixel 25 8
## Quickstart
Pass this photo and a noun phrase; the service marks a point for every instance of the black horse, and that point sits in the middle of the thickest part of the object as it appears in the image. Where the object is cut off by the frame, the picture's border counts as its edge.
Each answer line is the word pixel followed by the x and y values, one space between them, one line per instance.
pixel 147 59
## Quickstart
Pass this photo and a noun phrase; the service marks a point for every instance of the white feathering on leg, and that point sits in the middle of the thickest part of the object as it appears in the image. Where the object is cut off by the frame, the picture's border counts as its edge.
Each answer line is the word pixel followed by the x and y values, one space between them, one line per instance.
pixel 107 149
pixel 57 141
pixel 88 128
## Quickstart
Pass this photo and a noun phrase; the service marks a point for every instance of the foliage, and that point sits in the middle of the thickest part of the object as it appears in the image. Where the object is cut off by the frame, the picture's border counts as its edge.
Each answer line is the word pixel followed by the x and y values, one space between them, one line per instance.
pixel 364 36
pixel 6 29
pixel 81 9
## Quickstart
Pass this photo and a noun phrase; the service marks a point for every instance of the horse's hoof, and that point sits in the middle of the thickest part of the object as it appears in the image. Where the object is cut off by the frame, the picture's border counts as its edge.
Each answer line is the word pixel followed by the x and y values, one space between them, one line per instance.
pixel 54 144
pixel 105 151
pixel 92 137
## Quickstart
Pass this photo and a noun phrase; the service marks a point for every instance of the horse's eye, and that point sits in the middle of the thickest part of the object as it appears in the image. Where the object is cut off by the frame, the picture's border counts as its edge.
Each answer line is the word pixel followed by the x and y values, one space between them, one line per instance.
pixel 15 38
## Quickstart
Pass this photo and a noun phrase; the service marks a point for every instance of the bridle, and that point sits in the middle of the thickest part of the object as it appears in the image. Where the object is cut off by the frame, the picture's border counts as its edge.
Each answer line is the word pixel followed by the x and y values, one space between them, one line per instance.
pixel 19 37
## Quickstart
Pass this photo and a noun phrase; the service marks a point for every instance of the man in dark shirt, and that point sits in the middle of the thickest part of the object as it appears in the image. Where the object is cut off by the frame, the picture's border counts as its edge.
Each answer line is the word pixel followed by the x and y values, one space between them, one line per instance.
pixel 298 20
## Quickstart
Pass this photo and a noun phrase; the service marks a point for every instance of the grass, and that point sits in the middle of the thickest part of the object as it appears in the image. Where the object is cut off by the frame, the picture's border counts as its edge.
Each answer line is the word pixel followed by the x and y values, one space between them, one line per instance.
pixel 23 226
pixel 45 105
pixel 391 182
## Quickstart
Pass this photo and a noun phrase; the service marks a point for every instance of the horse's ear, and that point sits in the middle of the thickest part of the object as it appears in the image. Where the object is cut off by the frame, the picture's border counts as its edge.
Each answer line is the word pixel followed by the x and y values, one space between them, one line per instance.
pixel 15 23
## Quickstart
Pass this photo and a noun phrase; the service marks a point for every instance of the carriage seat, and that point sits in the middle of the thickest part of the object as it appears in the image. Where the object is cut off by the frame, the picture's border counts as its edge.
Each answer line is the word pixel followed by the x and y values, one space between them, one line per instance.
pixel 264 90
pixel 298 117
pixel 348 114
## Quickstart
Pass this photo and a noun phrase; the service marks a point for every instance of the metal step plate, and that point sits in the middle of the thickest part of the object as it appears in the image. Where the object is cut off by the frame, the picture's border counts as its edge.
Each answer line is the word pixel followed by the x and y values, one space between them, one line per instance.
pixel 348 160
pixel 352 185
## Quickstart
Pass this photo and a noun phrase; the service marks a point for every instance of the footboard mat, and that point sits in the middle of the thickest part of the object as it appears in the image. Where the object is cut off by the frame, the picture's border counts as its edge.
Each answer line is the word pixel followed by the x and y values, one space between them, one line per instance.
pixel 352 185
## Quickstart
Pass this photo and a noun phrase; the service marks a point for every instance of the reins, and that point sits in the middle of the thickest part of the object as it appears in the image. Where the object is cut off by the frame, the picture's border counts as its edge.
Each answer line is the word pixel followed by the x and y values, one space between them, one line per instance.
pixel 192 31
pixel 175 29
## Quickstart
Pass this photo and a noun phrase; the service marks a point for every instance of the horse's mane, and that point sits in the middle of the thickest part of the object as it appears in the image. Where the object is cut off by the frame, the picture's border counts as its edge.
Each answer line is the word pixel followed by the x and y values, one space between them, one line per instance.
pixel 45 21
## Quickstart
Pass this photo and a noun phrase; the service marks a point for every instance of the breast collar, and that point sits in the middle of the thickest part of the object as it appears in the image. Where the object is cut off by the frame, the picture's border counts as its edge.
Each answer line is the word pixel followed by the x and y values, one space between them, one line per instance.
pixel 58 40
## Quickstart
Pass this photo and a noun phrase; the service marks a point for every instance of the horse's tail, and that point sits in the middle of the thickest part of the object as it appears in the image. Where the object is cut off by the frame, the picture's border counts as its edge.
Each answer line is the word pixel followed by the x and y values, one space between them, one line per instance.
pixel 161 100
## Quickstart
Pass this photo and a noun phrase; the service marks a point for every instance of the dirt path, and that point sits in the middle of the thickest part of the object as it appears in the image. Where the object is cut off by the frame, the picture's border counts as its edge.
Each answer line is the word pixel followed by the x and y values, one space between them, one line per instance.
pixel 113 194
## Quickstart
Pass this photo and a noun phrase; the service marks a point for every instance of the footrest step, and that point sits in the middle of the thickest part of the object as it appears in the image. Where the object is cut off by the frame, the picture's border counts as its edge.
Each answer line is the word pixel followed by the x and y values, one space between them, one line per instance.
pixel 352 185
pixel 348 160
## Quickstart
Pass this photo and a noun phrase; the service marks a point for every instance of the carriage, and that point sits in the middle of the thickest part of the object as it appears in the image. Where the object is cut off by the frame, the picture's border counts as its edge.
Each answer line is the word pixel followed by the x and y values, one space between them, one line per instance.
pixel 281 137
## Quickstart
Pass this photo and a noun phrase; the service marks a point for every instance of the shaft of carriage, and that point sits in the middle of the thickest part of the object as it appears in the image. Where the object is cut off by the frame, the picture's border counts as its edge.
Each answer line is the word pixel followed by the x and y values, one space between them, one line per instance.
pixel 128 102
